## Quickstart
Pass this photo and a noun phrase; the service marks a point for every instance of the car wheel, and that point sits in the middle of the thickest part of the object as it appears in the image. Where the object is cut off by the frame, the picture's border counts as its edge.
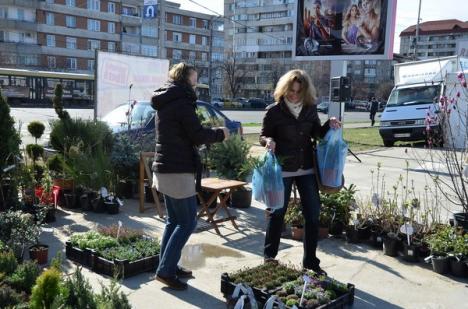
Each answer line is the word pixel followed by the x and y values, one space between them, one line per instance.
pixel 388 143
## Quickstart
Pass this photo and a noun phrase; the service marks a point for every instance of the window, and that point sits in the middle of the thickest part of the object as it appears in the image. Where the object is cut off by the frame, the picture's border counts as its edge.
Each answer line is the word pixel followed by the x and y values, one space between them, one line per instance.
pixel 71 42
pixel 204 40
pixel 111 46
pixel 91 65
pixel 193 22
pixel 204 56
pixel 50 18
pixel 51 63
pixel 192 39
pixel 177 19
pixel 20 14
pixel 205 24
pixel 176 54
pixel 2 36
pixel 50 1
pixel 177 37
pixel 70 21
pixel 71 3
pixel 94 25
pixel 192 55
pixel 51 40
pixel 94 5
pixel 148 30
pixel 111 27
pixel 217 56
pixel 111 7
pixel 148 50
pixel 218 41
pixel 71 63
pixel 3 12
pixel 129 11
pixel 22 36
pixel 94 44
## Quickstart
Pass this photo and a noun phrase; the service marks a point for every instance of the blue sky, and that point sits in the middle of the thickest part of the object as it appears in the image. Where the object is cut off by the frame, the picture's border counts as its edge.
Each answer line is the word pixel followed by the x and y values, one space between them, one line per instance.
pixel 407 11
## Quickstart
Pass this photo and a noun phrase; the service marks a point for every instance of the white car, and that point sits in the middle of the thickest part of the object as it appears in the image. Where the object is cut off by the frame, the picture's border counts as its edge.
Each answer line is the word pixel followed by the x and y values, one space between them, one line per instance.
pixel 217 102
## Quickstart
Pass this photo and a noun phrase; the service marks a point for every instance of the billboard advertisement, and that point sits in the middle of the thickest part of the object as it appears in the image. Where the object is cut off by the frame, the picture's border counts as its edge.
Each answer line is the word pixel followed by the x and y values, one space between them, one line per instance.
pixel 344 29
pixel 120 78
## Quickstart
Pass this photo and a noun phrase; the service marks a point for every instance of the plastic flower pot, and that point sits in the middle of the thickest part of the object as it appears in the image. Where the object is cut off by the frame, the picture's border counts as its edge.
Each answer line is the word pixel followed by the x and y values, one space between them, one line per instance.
pixel 112 207
pixel 70 200
pixel 376 238
pixel 363 233
pixel 323 232
pixel 352 235
pixel 410 252
pixel 336 228
pixel 39 253
pixel 458 268
pixel 391 245
pixel 440 264
pixel 297 232
pixel 241 198
pixel 461 219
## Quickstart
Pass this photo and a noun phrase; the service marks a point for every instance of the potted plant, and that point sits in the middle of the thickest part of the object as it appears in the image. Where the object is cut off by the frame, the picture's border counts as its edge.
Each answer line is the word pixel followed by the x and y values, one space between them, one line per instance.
pixel 39 253
pixel 324 222
pixel 295 219
pixel 459 254
pixel 125 165
pixel 440 243
pixel 231 160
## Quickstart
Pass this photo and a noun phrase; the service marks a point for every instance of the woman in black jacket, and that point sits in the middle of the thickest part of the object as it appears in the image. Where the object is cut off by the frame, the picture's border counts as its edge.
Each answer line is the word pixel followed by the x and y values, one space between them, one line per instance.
pixel 290 129
pixel 177 166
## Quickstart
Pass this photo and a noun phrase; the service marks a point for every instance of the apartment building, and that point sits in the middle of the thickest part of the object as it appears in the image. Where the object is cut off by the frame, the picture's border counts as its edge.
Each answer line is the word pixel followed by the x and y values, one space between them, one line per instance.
pixel 260 40
pixel 437 38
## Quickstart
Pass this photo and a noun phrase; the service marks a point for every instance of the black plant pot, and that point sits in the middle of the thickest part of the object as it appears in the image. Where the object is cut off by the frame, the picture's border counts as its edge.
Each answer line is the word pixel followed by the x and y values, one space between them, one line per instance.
pixel 458 268
pixel 125 189
pixel 352 234
pixel 391 245
pixel 98 205
pixel 70 200
pixel 461 219
pixel 423 251
pixel 440 264
pixel 148 194
pixel 410 252
pixel 241 198
pixel 376 238
pixel 336 228
pixel 112 207
pixel 206 196
pixel 364 233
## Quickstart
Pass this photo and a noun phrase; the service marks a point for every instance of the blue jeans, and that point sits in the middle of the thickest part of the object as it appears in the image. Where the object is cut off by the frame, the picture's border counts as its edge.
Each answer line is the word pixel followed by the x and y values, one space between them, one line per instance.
pixel 310 201
pixel 180 223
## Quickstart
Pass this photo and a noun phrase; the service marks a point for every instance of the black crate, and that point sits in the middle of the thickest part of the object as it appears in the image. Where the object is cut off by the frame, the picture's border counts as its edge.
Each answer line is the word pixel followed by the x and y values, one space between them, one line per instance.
pixel 78 255
pixel 124 268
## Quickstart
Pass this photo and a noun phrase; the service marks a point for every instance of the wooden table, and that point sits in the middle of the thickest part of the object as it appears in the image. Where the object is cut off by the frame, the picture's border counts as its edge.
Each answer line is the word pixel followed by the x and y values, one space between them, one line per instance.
pixel 216 186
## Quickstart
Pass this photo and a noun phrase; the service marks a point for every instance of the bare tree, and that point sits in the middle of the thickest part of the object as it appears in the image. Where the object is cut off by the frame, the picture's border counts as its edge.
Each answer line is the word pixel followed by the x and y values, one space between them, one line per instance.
pixel 234 74
pixel 384 90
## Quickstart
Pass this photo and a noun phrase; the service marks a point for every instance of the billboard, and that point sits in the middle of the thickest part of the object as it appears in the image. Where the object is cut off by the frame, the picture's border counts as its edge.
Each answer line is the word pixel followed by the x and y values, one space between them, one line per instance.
pixel 344 29
pixel 120 78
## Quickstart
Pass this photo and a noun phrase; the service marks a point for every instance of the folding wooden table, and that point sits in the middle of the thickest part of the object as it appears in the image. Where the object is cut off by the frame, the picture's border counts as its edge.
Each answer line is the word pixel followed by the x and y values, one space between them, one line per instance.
pixel 216 186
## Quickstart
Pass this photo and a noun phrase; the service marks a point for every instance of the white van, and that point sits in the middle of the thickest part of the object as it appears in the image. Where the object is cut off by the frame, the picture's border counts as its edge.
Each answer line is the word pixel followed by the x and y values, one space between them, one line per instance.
pixel 418 88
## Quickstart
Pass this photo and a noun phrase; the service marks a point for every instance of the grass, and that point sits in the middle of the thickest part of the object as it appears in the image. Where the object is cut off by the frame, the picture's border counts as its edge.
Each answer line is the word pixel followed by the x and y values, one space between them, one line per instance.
pixel 251 124
pixel 359 139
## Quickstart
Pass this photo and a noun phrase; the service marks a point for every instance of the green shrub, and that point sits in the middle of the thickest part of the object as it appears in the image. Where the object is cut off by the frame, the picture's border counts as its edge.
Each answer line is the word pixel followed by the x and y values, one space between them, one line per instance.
pixel 9 298
pixel 47 288
pixel 55 164
pixel 25 276
pixel 36 129
pixel 124 158
pixel 112 298
pixel 127 252
pixel 126 235
pixel 9 137
pixel 77 292
pixel 147 247
pixel 58 104
pixel 93 240
pixel 8 263
pixel 34 151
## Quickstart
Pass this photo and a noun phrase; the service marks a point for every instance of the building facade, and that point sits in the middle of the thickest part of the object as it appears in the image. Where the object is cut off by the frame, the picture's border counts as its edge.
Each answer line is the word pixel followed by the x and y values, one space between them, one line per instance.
pixel 259 40
pixel 436 38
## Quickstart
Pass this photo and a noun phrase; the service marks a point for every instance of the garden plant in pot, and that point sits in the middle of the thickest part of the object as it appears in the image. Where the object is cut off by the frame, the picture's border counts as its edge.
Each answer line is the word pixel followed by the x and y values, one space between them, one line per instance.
pixel 125 165
pixel 459 254
pixel 295 219
pixel 231 160
pixel 324 222
pixel 441 243
pixel 339 205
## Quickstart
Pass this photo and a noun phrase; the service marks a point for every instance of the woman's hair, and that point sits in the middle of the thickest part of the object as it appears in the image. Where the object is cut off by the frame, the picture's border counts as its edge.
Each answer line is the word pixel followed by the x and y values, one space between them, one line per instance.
pixel 180 72
pixel 308 93
pixel 347 19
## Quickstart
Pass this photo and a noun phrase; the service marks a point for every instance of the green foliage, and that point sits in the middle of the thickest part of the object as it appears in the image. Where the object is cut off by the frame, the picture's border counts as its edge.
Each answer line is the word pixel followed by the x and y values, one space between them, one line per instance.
pixel 47 288
pixel 126 252
pixel 441 242
pixel 58 104
pixel 36 129
pixel 231 158
pixel 88 134
pixel 55 164
pixel 77 292
pixel 9 298
pixel 17 229
pixel 338 205
pixel 293 214
pixel 8 263
pixel 126 235
pixel 9 137
pixel 124 158
pixel 265 276
pixel 147 247
pixel 112 298
pixel 34 151
pixel 24 276
pixel 93 240
pixel 460 245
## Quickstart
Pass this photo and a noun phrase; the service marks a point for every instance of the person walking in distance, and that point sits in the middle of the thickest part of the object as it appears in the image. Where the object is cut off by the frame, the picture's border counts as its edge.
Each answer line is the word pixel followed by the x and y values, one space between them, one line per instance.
pixel 374 107
pixel 177 166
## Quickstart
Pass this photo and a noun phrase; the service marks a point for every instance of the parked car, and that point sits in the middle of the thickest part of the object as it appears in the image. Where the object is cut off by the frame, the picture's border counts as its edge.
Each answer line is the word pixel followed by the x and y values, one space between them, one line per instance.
pixel 257 103
pixel 142 118
pixel 323 107
pixel 217 102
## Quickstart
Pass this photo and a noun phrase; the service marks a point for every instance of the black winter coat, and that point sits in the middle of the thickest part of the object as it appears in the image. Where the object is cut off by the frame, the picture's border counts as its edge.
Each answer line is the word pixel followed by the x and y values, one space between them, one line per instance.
pixel 295 138
pixel 178 130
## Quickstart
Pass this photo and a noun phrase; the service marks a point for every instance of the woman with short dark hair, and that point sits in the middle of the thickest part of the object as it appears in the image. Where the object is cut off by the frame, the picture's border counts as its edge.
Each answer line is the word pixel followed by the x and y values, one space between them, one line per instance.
pixel 177 166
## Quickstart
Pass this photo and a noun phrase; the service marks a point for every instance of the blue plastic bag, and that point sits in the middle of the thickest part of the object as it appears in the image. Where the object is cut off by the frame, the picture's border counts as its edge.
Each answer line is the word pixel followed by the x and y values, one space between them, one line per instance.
pixel 267 182
pixel 331 157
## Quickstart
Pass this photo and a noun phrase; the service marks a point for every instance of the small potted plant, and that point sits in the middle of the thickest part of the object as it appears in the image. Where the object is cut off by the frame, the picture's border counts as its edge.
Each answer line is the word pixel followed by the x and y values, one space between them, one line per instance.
pixel 324 222
pixel 125 165
pixel 459 254
pixel 295 219
pixel 440 242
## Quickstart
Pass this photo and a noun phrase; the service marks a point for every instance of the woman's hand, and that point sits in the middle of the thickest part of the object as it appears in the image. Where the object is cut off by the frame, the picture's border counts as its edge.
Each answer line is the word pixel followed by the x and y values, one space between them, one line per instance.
pixel 335 123
pixel 270 144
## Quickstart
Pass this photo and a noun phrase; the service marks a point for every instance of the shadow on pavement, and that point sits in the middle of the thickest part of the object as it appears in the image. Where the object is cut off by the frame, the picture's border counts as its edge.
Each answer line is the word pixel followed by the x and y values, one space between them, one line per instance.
pixel 363 300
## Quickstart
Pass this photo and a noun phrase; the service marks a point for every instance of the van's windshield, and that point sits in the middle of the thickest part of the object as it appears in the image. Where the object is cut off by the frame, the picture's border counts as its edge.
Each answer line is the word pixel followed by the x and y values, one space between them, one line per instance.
pixel 414 96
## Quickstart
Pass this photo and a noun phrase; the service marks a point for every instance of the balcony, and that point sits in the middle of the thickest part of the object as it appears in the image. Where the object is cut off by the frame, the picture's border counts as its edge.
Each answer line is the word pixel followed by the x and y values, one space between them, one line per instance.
pixel 130 20
pixel 17 47
pixel 18 24
pixel 131 38
pixel 33 4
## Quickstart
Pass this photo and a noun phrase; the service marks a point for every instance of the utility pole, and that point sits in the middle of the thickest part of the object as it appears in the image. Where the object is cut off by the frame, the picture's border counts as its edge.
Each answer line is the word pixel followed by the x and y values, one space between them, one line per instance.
pixel 416 39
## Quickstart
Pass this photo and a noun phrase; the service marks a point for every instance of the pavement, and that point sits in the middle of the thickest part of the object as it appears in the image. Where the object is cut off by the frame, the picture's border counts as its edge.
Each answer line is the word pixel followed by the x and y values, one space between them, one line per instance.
pixel 381 281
